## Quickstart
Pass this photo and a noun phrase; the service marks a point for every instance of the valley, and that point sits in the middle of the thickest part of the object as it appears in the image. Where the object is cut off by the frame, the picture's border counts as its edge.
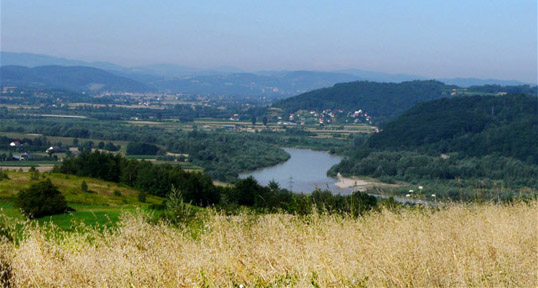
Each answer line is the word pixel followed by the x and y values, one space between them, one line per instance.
pixel 188 177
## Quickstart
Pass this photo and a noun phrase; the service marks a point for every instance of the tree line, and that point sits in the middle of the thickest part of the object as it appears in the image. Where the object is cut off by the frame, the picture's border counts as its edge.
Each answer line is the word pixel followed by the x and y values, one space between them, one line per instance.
pixel 198 188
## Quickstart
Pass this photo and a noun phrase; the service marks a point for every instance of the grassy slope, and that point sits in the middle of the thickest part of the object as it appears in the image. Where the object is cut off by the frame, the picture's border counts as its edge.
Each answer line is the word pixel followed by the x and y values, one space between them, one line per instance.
pixel 456 246
pixel 101 206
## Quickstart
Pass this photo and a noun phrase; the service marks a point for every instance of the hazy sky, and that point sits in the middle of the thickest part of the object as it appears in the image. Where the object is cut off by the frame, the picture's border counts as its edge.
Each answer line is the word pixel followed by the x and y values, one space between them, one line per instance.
pixel 472 38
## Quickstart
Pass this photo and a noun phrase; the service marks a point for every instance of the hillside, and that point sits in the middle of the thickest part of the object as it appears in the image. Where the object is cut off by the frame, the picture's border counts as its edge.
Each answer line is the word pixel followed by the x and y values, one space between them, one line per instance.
pixel 102 204
pixel 457 144
pixel 474 126
pixel 380 100
pixel 101 192
pixel 77 78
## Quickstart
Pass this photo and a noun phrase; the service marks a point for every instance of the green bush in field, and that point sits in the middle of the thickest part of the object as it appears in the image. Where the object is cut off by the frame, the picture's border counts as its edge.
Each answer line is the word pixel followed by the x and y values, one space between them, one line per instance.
pixel 177 211
pixel 142 196
pixel 34 173
pixel 84 186
pixel 3 175
pixel 41 199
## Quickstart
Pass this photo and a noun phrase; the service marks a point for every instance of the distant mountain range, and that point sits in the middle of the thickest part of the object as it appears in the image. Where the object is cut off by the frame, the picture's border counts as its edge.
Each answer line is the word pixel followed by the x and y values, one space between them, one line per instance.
pixel 34 60
pixel 275 85
pixel 230 81
pixel 76 78
pixel 169 70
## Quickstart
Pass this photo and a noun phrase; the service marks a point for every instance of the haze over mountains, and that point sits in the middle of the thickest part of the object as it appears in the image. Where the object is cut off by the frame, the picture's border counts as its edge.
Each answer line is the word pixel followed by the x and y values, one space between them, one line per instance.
pixel 227 81
pixel 76 78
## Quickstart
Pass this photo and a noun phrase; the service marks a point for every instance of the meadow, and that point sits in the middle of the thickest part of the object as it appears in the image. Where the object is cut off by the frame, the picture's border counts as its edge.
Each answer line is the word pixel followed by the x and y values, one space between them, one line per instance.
pixel 457 245
pixel 102 204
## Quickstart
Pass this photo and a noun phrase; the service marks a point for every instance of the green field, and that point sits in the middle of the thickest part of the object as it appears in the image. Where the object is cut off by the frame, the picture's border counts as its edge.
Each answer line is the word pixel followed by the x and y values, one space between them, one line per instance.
pixel 86 214
pixel 57 139
pixel 99 206
pixel 27 163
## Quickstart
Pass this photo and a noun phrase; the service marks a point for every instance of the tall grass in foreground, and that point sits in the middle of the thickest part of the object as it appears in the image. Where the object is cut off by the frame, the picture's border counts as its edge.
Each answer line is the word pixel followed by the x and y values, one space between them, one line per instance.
pixel 461 245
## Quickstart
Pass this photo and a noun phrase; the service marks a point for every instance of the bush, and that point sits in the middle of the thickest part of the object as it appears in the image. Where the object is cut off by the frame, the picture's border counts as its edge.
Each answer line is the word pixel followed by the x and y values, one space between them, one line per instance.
pixel 142 196
pixel 34 173
pixel 177 211
pixel 3 175
pixel 117 193
pixel 41 199
pixel 84 186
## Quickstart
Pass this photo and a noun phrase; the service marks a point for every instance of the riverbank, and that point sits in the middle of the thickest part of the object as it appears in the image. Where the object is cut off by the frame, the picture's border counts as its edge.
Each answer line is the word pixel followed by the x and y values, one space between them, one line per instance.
pixel 358 184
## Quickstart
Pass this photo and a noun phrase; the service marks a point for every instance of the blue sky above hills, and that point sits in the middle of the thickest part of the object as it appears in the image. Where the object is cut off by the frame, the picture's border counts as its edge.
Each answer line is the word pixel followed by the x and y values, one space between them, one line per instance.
pixel 483 39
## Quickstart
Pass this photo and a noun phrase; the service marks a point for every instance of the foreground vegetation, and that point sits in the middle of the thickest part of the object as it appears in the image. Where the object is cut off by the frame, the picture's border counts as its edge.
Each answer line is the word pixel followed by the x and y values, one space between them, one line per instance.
pixel 459 245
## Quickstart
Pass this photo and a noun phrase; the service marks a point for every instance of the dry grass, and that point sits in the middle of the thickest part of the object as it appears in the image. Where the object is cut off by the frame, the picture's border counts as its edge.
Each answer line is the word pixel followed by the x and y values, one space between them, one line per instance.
pixel 478 245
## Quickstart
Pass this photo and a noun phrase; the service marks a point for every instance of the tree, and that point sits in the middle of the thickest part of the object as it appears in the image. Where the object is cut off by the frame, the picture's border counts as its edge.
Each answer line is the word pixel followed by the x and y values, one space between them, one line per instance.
pixel 177 211
pixel 134 148
pixel 111 147
pixel 41 199
pixel 253 120
pixel 274 186
pixel 101 145
pixel 264 120
pixel 248 191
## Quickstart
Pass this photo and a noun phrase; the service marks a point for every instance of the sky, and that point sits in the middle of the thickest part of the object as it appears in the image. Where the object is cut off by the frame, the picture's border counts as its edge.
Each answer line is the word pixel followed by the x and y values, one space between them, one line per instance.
pixel 437 39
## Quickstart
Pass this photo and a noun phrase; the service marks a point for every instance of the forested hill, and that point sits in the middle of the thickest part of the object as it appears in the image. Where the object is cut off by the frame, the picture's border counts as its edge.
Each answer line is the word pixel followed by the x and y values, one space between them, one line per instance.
pixel 475 126
pixel 76 78
pixel 380 100
pixel 456 145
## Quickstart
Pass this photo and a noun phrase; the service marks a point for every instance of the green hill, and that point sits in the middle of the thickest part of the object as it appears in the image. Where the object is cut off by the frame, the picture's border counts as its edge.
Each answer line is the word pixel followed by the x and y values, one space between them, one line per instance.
pixel 103 203
pixel 380 100
pixel 465 144
pixel 473 126
pixel 101 192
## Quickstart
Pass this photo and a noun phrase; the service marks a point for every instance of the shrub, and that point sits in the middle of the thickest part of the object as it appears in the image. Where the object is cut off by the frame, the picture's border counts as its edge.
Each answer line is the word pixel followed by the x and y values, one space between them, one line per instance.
pixel 3 175
pixel 34 173
pixel 142 196
pixel 41 199
pixel 84 186
pixel 177 211
pixel 117 193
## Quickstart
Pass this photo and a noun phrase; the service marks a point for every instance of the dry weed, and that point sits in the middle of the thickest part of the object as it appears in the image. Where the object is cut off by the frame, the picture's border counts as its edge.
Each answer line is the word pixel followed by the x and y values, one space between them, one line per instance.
pixel 462 245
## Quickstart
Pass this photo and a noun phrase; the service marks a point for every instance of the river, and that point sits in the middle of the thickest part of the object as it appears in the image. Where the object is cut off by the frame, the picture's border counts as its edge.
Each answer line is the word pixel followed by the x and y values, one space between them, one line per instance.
pixel 306 170
pixel 302 173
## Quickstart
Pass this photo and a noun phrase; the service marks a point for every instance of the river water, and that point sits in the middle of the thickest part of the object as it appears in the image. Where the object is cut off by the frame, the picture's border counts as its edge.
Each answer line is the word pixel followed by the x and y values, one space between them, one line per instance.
pixel 302 173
